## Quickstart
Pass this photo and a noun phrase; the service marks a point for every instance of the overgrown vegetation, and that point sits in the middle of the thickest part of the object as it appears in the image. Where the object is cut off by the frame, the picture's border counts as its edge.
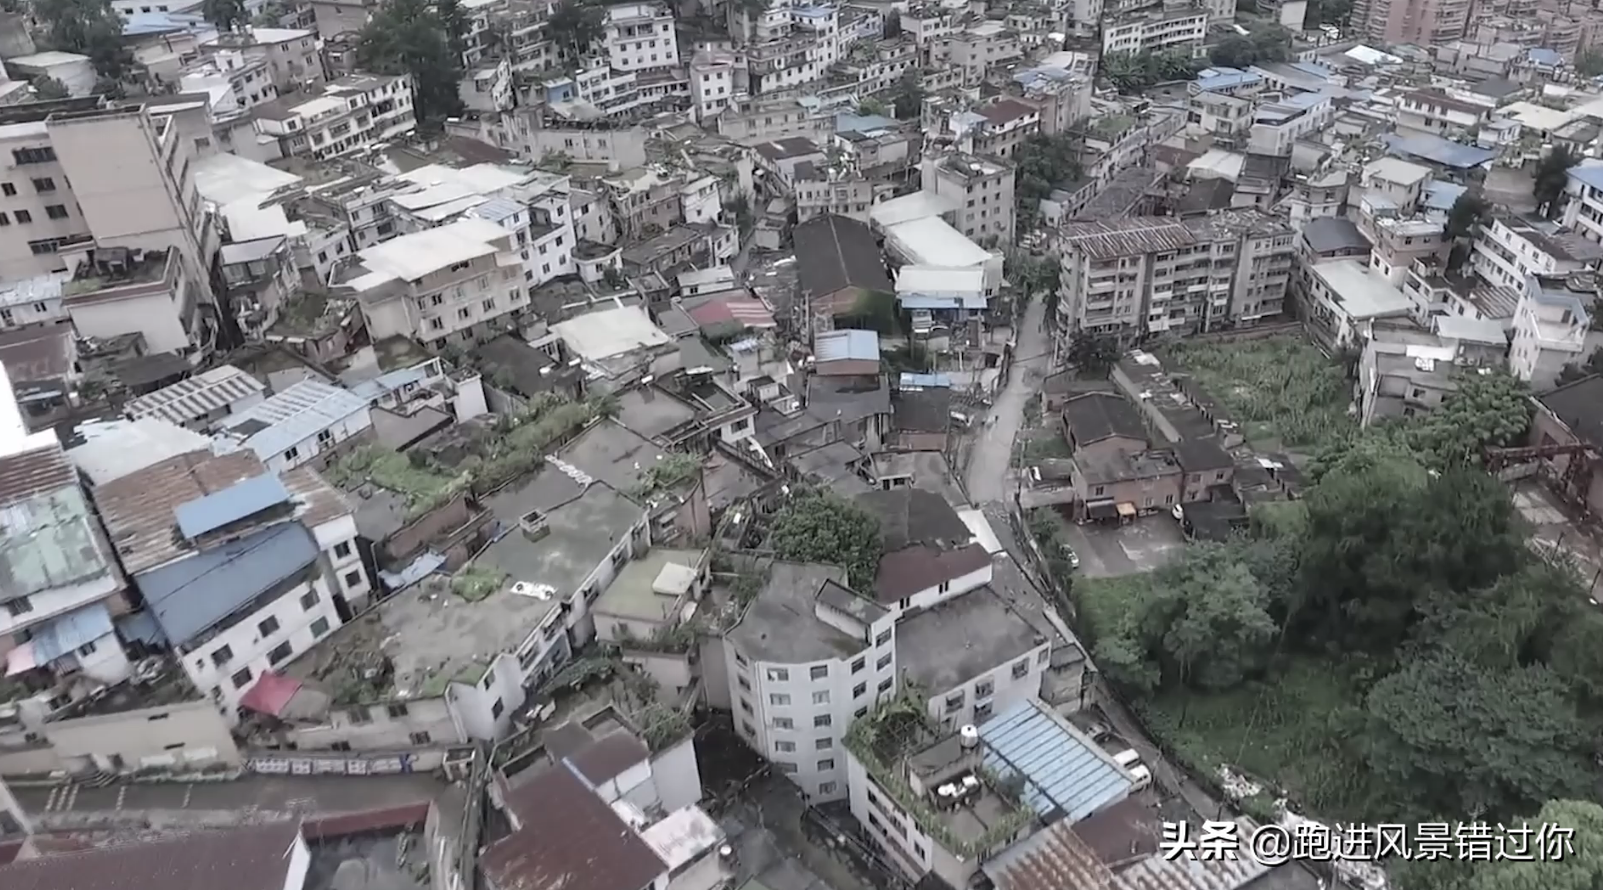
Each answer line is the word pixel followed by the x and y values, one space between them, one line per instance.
pixel 1134 72
pixel 1281 389
pixel 1271 44
pixel 422 39
pixel 907 97
pixel 817 525
pixel 88 27
pixel 666 474
pixel 1042 163
pixel 1388 648
pixel 517 446
pixel 1551 177
pixel 474 583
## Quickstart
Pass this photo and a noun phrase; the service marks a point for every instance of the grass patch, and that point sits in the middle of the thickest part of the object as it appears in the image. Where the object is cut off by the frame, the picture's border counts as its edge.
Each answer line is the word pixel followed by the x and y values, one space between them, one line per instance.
pixel 475 583
pixel 1285 732
pixel 1101 603
pixel 1283 390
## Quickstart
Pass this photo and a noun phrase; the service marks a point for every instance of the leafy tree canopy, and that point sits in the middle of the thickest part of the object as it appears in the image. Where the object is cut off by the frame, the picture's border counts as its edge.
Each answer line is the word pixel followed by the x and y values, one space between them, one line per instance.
pixel 225 14
pixel 1041 163
pixel 1092 354
pixel 907 97
pixel 47 88
pixel 1485 410
pixel 820 526
pixel 1589 64
pixel 1272 44
pixel 409 37
pixel 88 27
pixel 1134 72
pixel 1469 211
pixel 1552 175
pixel 575 25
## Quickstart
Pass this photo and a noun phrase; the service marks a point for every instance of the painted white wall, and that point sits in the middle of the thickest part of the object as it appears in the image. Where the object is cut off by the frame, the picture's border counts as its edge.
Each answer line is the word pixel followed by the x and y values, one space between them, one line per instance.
pixel 154 316
pixel 57 601
pixel 300 859
pixel 308 448
pixel 992 692
pixel 940 593
pixel 677 775
pixel 474 706
pixel 383 730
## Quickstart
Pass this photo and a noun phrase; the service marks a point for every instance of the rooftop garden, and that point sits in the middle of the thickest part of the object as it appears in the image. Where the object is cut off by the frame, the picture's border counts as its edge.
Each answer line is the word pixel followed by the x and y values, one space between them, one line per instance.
pixel 475 583
pixel 511 447
pixel 665 475
pixel 899 728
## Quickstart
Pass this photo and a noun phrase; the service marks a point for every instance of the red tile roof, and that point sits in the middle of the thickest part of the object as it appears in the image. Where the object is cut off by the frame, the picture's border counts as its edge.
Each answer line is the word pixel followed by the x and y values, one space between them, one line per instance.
pixel 569 839
pixel 250 858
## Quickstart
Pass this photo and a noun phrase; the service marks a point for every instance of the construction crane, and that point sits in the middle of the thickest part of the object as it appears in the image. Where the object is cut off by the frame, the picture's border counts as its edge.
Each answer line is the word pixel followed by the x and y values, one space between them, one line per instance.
pixel 1576 479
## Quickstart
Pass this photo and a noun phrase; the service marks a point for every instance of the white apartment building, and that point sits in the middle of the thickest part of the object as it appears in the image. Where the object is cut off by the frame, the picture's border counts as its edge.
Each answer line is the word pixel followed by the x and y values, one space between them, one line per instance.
pixel 239 566
pixel 293 57
pixel 1510 249
pixel 305 423
pixel 341 117
pixel 32 301
pixel 1440 113
pixel 1397 181
pixel 808 657
pixel 983 190
pixel 1583 207
pixel 1277 126
pixel 712 83
pixel 640 37
pixel 115 291
pixel 975 49
pixel 1549 331
pixel 1157 32
pixel 460 282
pixel 236 84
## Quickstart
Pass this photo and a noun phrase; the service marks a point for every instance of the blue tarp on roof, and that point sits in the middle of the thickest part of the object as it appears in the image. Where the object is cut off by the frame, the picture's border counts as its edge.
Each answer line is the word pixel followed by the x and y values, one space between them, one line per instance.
pixel 925 381
pixel 212 512
pixel 1545 57
pixel 1223 78
pixel 66 633
pixel 190 596
pixel 1439 151
pixel 1064 772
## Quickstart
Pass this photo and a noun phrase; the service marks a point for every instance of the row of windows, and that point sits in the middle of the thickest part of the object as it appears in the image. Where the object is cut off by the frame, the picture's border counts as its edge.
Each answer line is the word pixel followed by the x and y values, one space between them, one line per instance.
pixel 54 211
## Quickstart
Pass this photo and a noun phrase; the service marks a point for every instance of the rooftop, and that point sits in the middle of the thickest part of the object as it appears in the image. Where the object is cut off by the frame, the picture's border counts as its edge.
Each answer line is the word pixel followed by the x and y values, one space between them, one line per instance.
pixel 834 253
pixel 602 334
pixel 781 624
pixel 50 536
pixel 1058 857
pixel 1580 406
pixel 1125 237
pixel 846 345
pixel 113 449
pixel 946 646
pixel 648 588
pixel 291 417
pixel 191 596
pixel 784 149
pixel 568 839
pixel 1361 293
pixel 253 857
pixel 411 257
pixel 1066 775
pixel 191 400
pixel 1332 233
pixel 1095 416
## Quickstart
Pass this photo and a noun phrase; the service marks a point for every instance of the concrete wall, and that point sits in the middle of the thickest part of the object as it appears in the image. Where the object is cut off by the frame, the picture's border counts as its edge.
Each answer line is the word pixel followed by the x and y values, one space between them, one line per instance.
pixel 186 735
pixel 383 727
pixel 678 778
pixel 671 671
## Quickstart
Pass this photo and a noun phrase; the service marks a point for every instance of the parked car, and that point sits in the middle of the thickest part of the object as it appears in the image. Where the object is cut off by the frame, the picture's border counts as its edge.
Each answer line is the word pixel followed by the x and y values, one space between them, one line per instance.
pixel 1129 761
pixel 1072 557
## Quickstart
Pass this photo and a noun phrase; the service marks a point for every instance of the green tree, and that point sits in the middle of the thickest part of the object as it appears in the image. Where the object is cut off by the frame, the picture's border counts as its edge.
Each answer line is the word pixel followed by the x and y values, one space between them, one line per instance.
pixel 47 88
pixel 88 27
pixel 874 311
pixel 1042 163
pixel 1032 274
pixel 820 526
pixel 1489 408
pixel 1579 868
pixel 1382 539
pixel 225 14
pixel 1452 737
pixel 408 37
pixel 873 106
pixel 1327 12
pixel 575 25
pixel 1589 64
pixel 1093 355
pixel 893 24
pixel 1205 623
pixel 456 25
pixel 1470 211
pixel 1552 175
pixel 907 97
pixel 740 208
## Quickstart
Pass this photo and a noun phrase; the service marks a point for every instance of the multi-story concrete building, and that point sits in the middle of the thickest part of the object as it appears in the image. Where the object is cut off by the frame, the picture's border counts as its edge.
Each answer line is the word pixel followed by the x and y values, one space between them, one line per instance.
pixel 983 190
pixel 1155 31
pixel 1583 204
pixel 340 117
pixel 1441 113
pixel 1511 248
pixel 640 37
pixel 975 49
pixel 1136 276
pixel 753 120
pixel 240 568
pixel 839 193
pixel 1550 331
pixel 1063 96
pixel 461 282
pixel 1005 125
pixel 1421 22
pixel 293 56
pixel 1277 126
pixel 712 83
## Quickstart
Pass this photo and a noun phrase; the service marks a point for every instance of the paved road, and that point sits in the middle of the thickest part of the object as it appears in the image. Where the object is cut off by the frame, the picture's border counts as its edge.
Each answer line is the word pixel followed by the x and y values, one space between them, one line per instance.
pixel 989 475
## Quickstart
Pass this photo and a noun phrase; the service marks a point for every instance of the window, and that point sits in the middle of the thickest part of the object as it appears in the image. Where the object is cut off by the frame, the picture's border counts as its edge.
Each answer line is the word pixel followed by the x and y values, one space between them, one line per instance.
pixel 859 664
pixel 242 678
pixel 744 683
pixel 340 746
pixel 268 626
pixel 884 661
pixel 821 697
pixel 778 675
pixel 33 155
pixel 24 216
pixel 818 672
pixel 904 602
pixel 826 787
pixel 984 688
pixel 319 627
pixel 342 550
pixel 740 659
pixel 778 699
pixel 87 648
pixel 788 769
pixel 353 578
pixel 56 211
pixel 785 747
pixel 397 710
pixel 1044 656
pixel 784 723
pixel 1020 668
pixel 859 690
pixel 954 702
pixel 1098 490
pixel 826 763
pixel 5 220
pixel 420 738
pixel 746 706
pixel 7 189
pixel 747 728
pixel 44 184
pixel 18 606
pixel 885 684
pixel 823 721
pixel 883 638
pixel 292 453
pixel 280 653
pixel 223 655
pixel 982 711
pixel 489 305
pixel 496 709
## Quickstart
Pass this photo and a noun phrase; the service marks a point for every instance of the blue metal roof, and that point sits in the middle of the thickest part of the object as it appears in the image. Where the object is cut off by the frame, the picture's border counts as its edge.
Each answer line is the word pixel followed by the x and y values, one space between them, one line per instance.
pixel 1439 151
pixel 1588 174
pixel 293 416
pixel 1313 68
pixel 847 344
pixel 1547 57
pixel 67 632
pixel 1223 78
pixel 237 501
pixel 190 596
pixel 140 627
pixel 1064 772
pixel 1442 195
pixel 926 301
